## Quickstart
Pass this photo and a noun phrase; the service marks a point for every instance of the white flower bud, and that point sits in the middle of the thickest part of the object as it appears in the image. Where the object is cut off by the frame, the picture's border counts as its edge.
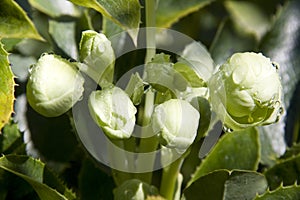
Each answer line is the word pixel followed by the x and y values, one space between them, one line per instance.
pixel 176 121
pixel 251 90
pixel 54 85
pixel 113 111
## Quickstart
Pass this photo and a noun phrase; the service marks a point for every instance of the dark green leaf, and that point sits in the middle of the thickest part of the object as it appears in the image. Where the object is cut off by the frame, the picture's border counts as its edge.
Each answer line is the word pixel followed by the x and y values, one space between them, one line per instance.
pixel 127 13
pixel 55 8
pixel 10 137
pixel 227 42
pixel 170 11
pixel 134 189
pixel 32 172
pixel 235 150
pixel 248 17
pixel 286 172
pixel 286 193
pixel 292 151
pixel 14 23
pixel 52 137
pixel 223 184
pixel 6 87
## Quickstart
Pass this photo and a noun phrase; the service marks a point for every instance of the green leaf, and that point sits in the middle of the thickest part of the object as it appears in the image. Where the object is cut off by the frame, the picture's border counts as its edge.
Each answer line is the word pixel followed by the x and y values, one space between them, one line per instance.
pixel 56 8
pixel 6 88
pixel 31 171
pixel 248 17
pixel 14 23
pixel 10 137
pixel 198 58
pixel 127 13
pixel 51 136
pixel 63 34
pixel 286 193
pixel 161 74
pixel 286 172
pixel 134 189
pixel 227 185
pixel 292 151
pixel 30 47
pixel 170 11
pixel 20 66
pixel 228 41
pixel 235 150
pixel 268 154
pixel 189 74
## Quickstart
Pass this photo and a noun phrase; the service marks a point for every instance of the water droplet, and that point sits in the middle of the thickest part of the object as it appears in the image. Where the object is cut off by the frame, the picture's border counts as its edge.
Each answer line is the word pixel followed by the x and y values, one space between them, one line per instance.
pixel 227 129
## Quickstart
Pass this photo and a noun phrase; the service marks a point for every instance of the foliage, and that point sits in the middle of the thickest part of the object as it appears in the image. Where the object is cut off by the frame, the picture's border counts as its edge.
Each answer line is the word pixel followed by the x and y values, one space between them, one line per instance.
pixel 45 157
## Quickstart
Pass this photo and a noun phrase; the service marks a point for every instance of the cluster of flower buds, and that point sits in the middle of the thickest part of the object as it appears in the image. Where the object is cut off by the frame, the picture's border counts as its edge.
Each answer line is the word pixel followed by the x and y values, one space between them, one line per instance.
pixel 246 87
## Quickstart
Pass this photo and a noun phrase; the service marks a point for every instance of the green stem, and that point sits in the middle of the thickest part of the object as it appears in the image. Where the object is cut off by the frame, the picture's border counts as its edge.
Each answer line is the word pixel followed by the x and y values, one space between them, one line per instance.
pixel 169 179
pixel 148 144
pixel 117 159
pixel 150 32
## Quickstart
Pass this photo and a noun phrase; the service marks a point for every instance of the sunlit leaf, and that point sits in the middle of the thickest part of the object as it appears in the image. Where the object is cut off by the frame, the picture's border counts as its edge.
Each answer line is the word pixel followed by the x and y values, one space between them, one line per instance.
pixel 6 88
pixel 63 34
pixel 170 11
pixel 127 13
pixel 227 185
pixel 235 150
pixel 55 8
pixel 14 23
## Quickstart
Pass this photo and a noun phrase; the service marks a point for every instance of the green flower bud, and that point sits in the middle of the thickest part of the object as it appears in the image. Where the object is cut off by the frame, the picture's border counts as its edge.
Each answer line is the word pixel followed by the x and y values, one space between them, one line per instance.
pixel 113 111
pixel 54 85
pixel 98 56
pixel 248 87
pixel 176 122
pixel 134 189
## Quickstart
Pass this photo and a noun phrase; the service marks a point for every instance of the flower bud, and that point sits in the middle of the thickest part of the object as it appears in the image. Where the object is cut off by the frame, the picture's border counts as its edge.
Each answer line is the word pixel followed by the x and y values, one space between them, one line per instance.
pixel 176 122
pixel 54 85
pixel 249 89
pixel 98 56
pixel 113 111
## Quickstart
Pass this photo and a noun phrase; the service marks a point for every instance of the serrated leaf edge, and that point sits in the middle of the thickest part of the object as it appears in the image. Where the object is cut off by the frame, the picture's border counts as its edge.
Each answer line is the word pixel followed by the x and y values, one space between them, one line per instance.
pixel 268 191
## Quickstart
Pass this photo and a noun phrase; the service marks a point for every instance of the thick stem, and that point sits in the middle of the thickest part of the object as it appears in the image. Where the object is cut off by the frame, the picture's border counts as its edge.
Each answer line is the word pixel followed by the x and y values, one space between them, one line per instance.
pixel 169 179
